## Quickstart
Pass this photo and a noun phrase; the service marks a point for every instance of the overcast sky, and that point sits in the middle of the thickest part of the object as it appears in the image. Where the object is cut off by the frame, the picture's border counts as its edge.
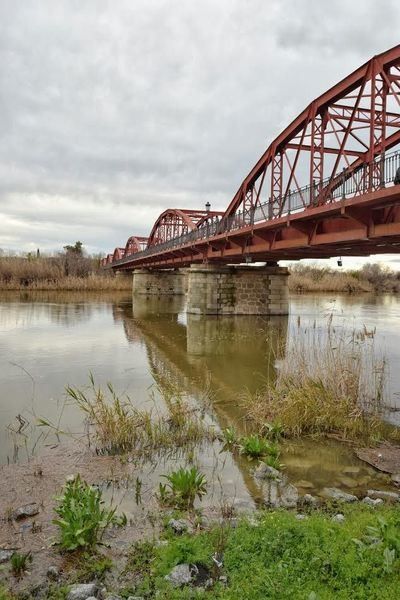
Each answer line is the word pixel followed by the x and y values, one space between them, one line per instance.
pixel 113 111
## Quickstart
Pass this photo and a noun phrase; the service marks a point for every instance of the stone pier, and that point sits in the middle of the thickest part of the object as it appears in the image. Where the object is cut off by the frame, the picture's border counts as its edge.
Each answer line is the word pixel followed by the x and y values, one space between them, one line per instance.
pixel 237 290
pixel 154 282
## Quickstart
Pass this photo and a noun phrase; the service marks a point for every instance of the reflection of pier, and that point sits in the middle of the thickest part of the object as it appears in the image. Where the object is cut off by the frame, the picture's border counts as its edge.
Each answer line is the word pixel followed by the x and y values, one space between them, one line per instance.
pixel 231 354
pixel 224 356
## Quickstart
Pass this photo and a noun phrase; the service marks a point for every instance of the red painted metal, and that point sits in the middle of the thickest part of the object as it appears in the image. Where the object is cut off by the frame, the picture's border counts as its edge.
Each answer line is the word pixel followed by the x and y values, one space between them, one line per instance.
pixel 135 244
pixel 320 187
pixel 118 254
pixel 175 222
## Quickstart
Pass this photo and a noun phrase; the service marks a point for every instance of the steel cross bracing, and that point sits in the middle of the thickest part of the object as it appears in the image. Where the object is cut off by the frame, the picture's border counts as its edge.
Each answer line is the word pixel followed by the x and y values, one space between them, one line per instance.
pixel 323 187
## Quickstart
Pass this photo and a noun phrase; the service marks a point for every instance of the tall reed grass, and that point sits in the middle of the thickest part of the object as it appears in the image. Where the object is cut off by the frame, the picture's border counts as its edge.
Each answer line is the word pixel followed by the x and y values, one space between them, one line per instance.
pixel 328 383
pixel 370 278
pixel 58 273
pixel 116 426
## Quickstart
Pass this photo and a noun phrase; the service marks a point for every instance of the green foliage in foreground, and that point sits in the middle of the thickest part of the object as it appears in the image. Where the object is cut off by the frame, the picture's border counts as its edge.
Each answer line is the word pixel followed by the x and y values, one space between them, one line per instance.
pixel 280 557
pixel 182 487
pixel 82 516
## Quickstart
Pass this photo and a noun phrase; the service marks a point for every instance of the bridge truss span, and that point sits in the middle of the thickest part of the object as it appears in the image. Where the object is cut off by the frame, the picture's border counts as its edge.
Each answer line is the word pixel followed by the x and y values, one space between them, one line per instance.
pixel 324 186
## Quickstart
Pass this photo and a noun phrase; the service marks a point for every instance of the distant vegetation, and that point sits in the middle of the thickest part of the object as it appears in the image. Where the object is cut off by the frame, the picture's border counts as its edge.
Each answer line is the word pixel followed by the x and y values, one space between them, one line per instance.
pixel 372 277
pixel 70 269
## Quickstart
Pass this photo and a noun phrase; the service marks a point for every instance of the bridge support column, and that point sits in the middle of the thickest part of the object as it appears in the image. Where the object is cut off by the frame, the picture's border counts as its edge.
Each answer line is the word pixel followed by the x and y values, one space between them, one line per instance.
pixel 153 282
pixel 241 290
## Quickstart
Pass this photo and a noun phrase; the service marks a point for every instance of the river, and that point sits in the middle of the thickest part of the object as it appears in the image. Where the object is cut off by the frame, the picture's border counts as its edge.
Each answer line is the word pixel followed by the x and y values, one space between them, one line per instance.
pixel 52 339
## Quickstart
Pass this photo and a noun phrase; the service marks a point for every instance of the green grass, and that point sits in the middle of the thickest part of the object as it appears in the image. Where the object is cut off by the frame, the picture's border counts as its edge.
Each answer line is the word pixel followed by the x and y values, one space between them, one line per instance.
pixel 284 558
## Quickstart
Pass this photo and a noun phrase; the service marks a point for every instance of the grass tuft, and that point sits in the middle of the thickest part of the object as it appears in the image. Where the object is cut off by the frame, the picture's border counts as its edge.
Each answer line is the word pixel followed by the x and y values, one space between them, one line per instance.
pixel 334 384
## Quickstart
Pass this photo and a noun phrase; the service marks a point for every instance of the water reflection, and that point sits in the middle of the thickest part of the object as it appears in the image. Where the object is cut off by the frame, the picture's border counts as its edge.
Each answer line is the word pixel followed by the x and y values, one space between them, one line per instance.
pixel 50 339
pixel 230 355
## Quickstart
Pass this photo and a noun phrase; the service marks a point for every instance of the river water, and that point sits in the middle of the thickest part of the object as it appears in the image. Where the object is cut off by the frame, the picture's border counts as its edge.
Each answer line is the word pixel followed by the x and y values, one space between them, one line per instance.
pixel 52 339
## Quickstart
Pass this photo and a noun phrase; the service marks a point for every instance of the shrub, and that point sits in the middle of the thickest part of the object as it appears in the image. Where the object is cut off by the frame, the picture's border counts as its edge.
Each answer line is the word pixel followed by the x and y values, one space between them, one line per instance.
pixel 82 516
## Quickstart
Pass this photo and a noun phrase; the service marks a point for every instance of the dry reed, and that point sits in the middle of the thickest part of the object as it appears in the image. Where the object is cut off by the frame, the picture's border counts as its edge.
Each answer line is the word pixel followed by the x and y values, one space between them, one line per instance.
pixel 58 273
pixel 116 426
pixel 370 278
pixel 327 384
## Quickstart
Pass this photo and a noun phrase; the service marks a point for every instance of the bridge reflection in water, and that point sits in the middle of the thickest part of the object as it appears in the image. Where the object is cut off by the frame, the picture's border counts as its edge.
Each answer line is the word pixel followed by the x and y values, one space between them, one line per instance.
pixel 226 356
pixel 213 361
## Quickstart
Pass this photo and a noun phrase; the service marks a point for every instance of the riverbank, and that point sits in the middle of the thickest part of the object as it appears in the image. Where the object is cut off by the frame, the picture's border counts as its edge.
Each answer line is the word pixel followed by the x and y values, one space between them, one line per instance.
pixel 59 273
pixel 334 548
pixel 84 273
pixel 370 278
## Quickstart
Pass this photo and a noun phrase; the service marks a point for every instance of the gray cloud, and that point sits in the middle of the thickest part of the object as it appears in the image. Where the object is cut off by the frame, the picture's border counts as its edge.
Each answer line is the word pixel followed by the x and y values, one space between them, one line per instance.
pixel 113 111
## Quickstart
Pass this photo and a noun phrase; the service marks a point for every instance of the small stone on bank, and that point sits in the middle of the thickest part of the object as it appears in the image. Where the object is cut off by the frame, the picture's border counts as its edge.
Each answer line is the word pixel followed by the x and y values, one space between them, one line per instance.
pixel 264 471
pixel 372 501
pixel 180 575
pixel 82 591
pixel 5 555
pixel 339 518
pixel 336 494
pixel 309 500
pixel 53 572
pixel 179 526
pixel 300 517
pixel 395 477
pixel 393 496
pixel 28 510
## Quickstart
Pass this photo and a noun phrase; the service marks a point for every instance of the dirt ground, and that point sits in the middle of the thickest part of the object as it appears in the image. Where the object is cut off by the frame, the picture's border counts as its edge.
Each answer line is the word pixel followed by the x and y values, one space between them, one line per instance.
pixel 40 481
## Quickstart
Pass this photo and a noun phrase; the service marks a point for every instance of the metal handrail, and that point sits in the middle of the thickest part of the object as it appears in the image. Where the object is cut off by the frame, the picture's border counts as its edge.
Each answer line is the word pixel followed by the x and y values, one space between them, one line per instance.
pixel 340 187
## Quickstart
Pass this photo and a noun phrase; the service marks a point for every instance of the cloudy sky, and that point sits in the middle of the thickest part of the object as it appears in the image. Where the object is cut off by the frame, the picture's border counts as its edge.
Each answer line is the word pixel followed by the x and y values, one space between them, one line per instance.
pixel 112 111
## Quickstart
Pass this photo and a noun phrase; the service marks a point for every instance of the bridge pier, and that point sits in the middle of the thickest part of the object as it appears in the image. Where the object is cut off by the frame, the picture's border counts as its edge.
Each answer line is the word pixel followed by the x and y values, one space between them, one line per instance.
pixel 237 290
pixel 154 282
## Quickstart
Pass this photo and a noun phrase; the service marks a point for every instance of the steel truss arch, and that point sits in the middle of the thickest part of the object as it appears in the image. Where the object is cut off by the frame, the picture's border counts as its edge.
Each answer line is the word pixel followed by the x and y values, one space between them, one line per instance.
pixel 118 254
pixel 351 124
pixel 135 244
pixel 174 222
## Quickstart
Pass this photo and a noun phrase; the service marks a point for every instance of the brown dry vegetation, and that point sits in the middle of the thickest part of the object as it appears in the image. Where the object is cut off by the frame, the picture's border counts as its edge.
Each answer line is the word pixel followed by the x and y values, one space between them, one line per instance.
pixel 62 272
pixel 334 384
pixel 372 277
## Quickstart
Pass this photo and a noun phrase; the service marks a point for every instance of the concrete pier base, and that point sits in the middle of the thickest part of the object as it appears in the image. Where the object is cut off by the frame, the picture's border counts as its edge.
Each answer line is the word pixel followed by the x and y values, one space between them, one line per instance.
pixel 237 290
pixel 153 282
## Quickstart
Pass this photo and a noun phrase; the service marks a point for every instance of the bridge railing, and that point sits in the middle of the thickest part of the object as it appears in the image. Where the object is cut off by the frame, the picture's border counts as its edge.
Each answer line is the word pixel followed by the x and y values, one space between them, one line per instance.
pixel 366 177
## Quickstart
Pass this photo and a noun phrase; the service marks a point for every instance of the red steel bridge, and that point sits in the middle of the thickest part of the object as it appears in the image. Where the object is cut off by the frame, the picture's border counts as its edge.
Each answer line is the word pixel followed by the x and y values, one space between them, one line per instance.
pixel 324 187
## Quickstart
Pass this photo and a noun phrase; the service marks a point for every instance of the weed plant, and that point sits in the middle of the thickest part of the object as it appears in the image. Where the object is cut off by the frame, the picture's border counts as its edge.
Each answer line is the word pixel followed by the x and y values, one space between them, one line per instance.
pixel 19 563
pixel 82 516
pixel 182 487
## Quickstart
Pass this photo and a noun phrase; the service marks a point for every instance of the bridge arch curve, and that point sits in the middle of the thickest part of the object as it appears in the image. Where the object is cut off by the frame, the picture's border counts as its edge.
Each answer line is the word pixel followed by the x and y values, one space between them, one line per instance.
pixel 135 244
pixel 328 143
pixel 118 254
pixel 173 223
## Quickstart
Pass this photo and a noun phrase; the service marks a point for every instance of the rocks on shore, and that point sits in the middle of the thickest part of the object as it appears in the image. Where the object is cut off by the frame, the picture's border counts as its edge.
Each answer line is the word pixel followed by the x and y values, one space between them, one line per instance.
pixel 179 526
pixel 264 471
pixel 280 494
pixel 189 574
pixel 391 496
pixel 5 555
pixel 82 591
pixel 339 518
pixel 372 501
pixel 338 495
pixel 395 477
pixel 28 510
